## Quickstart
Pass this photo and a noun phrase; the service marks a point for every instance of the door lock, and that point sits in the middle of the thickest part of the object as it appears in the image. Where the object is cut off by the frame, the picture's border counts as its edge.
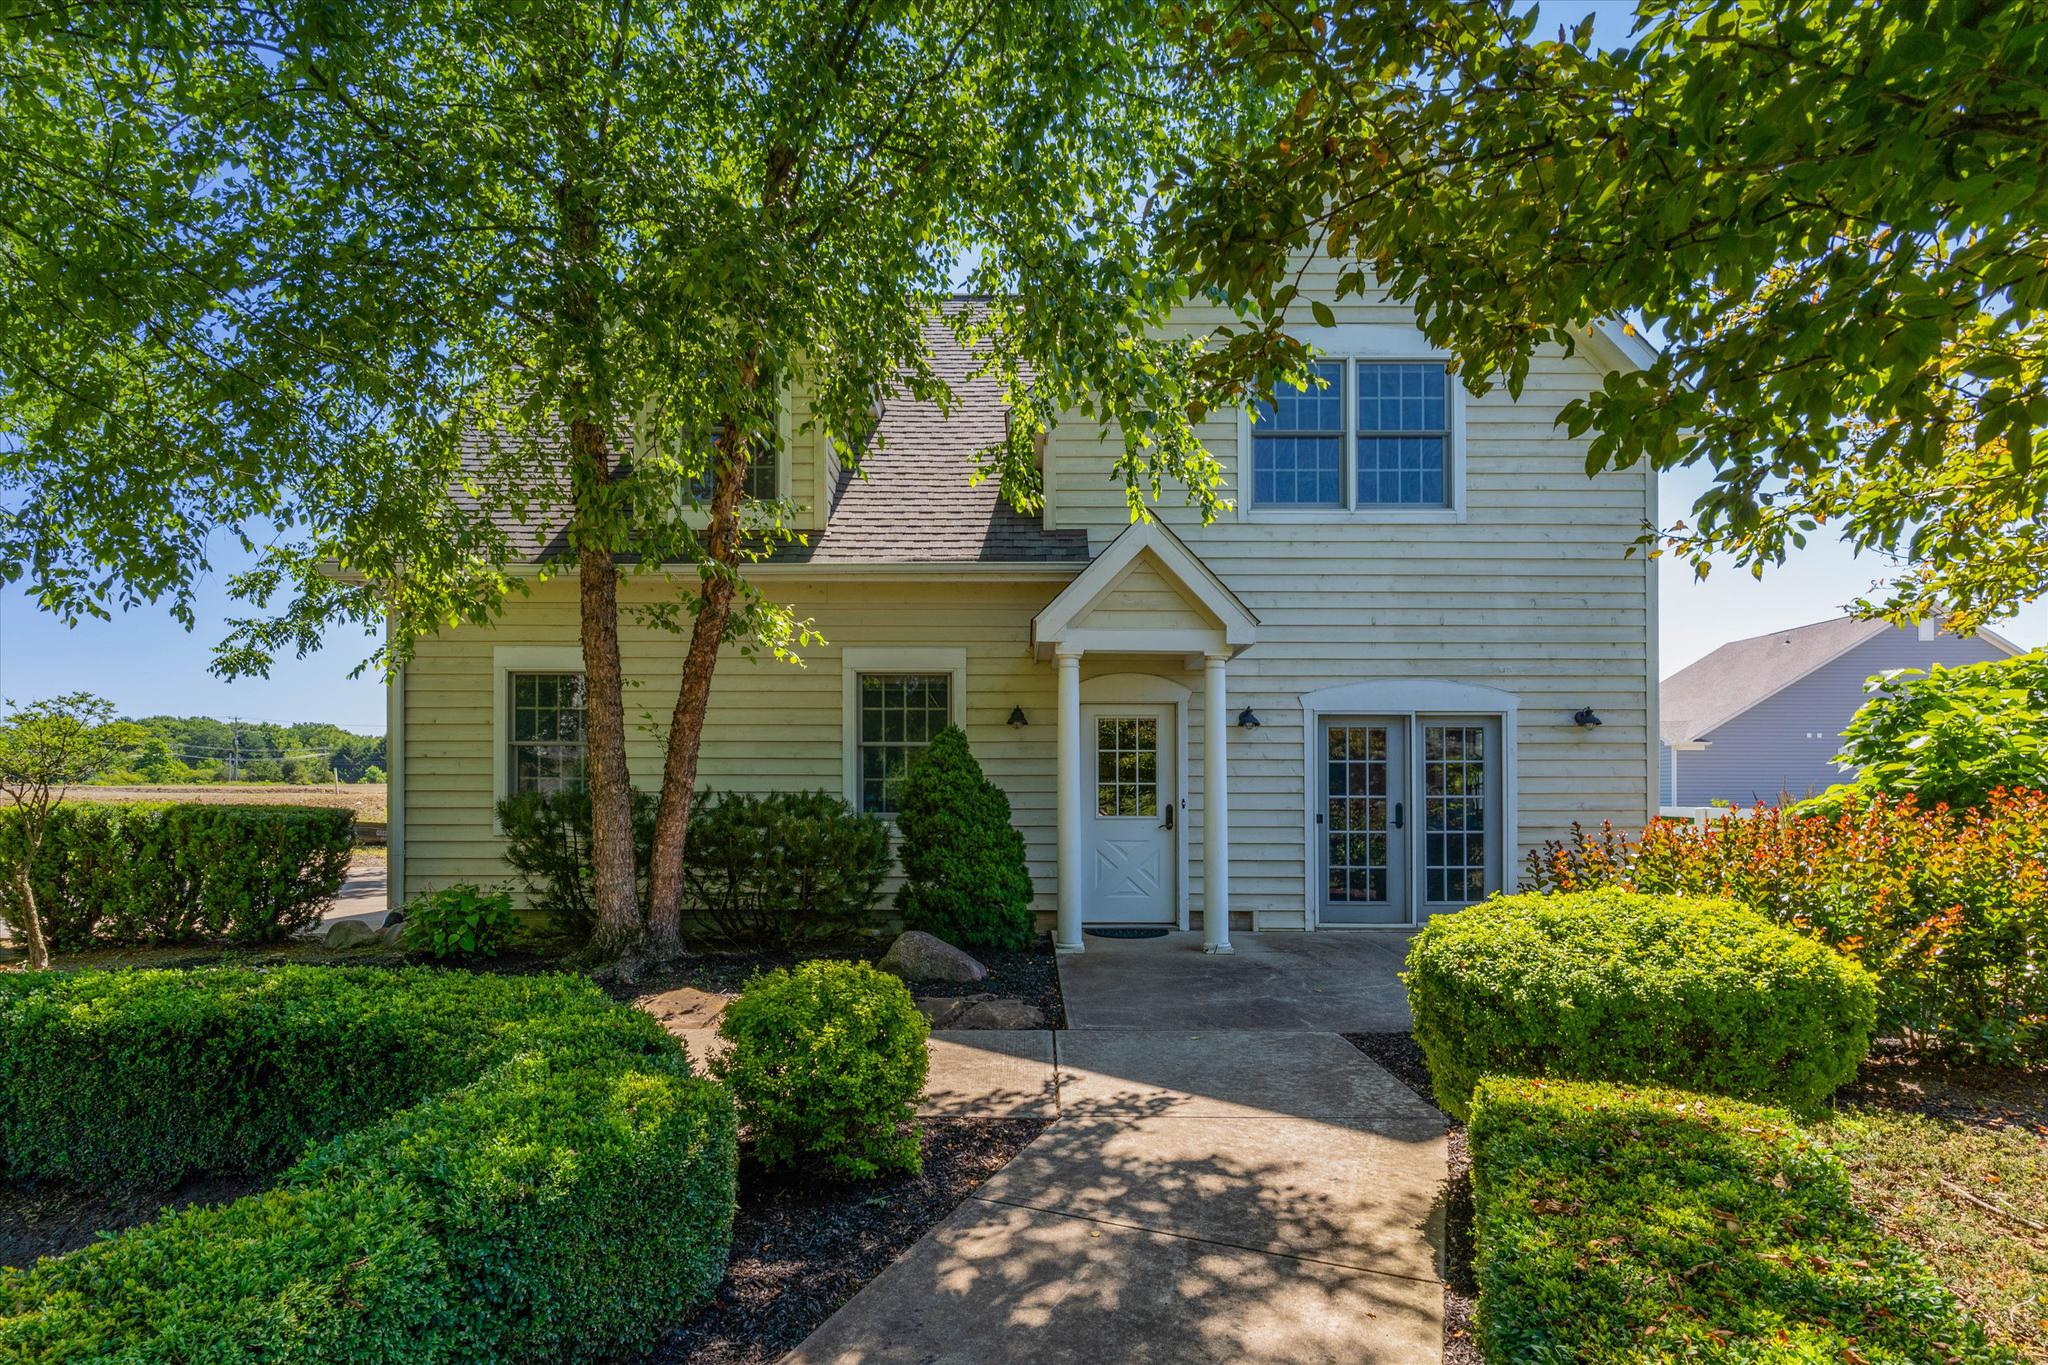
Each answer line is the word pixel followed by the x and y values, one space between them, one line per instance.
pixel 1169 816
pixel 1398 824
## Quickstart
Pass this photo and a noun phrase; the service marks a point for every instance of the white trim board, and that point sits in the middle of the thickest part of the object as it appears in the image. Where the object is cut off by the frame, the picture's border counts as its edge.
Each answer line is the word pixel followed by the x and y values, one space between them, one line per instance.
pixel 1398 698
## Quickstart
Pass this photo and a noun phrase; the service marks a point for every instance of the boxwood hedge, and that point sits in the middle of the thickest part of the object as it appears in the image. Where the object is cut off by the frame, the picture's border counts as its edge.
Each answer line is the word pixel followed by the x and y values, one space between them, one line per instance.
pixel 489 1168
pixel 1646 1225
pixel 156 872
pixel 1608 985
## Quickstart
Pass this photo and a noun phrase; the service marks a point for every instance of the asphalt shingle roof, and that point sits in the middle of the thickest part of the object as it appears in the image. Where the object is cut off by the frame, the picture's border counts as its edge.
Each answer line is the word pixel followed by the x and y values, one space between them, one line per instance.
pixel 1738 675
pixel 913 500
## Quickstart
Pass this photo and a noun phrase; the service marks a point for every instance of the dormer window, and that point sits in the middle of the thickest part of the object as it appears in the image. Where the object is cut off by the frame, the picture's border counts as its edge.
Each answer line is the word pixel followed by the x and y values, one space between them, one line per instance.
pixel 1365 435
pixel 761 482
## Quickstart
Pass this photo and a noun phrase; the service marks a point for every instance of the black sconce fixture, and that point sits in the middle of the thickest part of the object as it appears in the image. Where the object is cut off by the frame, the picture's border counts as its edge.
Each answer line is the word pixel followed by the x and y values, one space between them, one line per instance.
pixel 1585 718
pixel 1246 720
pixel 1017 721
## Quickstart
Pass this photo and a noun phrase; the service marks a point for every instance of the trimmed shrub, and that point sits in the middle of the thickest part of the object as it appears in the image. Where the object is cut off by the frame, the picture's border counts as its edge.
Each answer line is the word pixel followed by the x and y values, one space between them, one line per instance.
pixel 784 869
pixel 1647 1225
pixel 826 1063
pixel 560 1187
pixel 168 873
pixel 547 841
pixel 1948 909
pixel 964 877
pixel 1611 986
pixel 459 919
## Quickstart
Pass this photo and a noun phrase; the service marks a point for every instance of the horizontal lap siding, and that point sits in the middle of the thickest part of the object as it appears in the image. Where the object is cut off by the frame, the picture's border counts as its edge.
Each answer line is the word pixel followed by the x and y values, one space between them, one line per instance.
pixel 772 726
pixel 1533 594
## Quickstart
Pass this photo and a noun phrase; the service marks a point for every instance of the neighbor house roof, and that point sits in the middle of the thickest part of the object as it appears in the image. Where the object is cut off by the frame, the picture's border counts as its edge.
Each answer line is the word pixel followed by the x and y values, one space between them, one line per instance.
pixel 1707 694
pixel 913 500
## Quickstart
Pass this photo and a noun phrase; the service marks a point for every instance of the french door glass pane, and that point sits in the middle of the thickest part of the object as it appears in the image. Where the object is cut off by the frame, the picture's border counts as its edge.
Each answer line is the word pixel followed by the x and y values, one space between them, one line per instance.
pixel 1454 833
pixel 1356 820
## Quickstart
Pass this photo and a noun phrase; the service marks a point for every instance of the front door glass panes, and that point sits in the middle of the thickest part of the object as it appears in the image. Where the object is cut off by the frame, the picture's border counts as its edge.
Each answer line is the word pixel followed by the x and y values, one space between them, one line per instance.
pixel 1127 766
pixel 1454 800
pixel 1358 815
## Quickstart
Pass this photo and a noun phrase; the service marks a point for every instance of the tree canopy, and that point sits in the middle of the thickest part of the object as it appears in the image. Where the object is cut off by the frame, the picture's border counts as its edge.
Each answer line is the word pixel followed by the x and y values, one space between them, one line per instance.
pixel 1951 735
pixel 1828 212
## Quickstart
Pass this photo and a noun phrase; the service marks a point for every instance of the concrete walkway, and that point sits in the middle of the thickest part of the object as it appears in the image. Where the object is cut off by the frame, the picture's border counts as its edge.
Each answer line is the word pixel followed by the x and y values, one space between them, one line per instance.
pixel 1216 1186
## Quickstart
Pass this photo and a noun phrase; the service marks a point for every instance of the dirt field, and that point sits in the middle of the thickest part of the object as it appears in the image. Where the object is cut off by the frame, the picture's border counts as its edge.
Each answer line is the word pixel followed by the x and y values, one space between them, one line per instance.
pixel 367 800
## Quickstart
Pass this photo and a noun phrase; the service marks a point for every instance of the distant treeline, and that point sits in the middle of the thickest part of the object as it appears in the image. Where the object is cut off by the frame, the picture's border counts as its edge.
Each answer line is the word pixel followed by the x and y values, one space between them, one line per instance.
pixel 202 749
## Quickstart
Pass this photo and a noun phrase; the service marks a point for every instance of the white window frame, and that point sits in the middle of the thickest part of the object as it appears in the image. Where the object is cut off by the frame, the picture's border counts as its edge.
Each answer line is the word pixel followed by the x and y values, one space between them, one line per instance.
pixel 1411 702
pixel 505 661
pixel 854 662
pixel 1352 346
pixel 697 518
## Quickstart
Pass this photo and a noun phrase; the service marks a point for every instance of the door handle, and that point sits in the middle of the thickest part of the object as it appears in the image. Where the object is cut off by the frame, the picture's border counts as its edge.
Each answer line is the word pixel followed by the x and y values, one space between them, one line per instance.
pixel 1169 816
pixel 1398 823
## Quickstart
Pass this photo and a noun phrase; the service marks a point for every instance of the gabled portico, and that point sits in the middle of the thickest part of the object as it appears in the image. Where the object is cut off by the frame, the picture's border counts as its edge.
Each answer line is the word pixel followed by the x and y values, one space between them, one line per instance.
pixel 1146 594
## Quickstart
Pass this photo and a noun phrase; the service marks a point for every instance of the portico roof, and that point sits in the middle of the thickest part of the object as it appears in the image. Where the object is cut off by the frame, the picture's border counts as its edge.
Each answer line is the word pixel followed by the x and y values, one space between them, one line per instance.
pixel 1086 616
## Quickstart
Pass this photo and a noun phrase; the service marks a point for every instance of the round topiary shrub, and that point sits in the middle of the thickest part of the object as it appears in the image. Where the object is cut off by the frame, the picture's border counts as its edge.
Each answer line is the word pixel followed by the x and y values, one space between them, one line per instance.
pixel 826 1063
pixel 487 1168
pixel 1607 985
pixel 964 878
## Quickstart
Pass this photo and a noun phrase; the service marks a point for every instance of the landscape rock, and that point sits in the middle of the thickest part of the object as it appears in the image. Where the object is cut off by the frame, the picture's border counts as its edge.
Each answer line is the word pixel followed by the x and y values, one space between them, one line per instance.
pixel 349 933
pixel 979 1012
pixel 685 1007
pixel 918 956
pixel 392 935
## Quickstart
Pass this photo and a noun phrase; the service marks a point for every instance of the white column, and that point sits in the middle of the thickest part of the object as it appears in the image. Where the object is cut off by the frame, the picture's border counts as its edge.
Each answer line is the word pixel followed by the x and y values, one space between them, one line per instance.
pixel 1215 810
pixel 1067 937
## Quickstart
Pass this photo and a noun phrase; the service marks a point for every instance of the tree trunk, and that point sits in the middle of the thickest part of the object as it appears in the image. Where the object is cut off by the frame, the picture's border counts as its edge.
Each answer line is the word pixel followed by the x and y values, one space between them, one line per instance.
pixel 616 935
pixel 693 696
pixel 31 919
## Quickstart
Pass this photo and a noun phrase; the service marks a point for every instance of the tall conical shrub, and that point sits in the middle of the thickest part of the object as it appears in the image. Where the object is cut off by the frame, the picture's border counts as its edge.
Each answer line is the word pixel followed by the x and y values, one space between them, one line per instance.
pixel 963 863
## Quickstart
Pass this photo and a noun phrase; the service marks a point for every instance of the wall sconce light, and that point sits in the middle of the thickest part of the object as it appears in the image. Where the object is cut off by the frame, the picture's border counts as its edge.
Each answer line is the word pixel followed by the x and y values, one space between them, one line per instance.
pixel 1584 718
pixel 1246 720
pixel 1017 721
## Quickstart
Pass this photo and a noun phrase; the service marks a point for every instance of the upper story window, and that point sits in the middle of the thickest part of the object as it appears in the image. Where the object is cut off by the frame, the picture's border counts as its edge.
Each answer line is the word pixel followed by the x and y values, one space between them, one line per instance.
pixel 1374 434
pixel 547 740
pixel 760 485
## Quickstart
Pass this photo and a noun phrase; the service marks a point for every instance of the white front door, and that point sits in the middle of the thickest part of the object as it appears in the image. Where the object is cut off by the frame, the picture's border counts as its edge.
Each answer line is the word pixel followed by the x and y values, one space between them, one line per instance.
pixel 1130 840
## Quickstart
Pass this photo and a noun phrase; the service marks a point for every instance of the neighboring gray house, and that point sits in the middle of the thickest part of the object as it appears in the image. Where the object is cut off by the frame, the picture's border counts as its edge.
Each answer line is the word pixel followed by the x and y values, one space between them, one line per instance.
pixel 1762 719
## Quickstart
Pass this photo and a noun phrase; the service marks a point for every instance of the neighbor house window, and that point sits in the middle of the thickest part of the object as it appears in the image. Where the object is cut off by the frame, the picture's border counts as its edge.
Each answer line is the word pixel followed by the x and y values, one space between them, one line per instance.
pixel 899 714
pixel 1392 418
pixel 548 743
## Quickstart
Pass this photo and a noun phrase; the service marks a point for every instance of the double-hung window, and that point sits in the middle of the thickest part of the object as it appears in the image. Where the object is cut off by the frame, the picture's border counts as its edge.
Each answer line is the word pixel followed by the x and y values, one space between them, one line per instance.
pixel 547 736
pixel 761 481
pixel 1363 434
pixel 899 714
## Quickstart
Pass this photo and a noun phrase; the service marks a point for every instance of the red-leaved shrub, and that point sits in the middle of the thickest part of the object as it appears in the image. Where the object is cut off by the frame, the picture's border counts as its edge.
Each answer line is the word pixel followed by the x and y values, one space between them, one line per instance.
pixel 1949 909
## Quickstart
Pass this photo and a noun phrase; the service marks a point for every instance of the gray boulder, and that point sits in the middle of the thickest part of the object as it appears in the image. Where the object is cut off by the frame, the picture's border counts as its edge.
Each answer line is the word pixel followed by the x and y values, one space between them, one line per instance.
pixel 392 935
pixel 349 933
pixel 980 1011
pixel 917 956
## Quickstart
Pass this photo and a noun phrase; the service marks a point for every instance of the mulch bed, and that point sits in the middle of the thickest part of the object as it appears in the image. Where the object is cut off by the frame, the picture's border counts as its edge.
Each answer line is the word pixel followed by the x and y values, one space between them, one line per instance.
pixel 1398 1053
pixel 801 1248
pixel 1972 1096
pixel 1031 975
pixel 48 1218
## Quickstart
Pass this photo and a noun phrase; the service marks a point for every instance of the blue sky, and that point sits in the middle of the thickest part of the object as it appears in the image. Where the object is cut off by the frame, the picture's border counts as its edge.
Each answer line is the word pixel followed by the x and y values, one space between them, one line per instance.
pixel 147 664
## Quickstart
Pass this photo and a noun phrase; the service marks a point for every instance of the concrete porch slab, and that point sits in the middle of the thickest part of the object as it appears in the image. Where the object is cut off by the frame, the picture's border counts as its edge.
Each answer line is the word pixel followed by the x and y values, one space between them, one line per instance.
pixel 1149 1073
pixel 1339 981
pixel 1363 1198
pixel 999 1283
pixel 984 1073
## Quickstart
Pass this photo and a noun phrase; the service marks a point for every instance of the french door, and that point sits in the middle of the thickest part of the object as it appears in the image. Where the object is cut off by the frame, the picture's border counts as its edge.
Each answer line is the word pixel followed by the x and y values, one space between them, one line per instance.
pixel 1407 818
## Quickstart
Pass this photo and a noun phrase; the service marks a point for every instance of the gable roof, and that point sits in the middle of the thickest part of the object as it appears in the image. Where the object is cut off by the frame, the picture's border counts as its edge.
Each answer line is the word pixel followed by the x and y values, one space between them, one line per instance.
pixel 912 501
pixel 1061 620
pixel 1707 694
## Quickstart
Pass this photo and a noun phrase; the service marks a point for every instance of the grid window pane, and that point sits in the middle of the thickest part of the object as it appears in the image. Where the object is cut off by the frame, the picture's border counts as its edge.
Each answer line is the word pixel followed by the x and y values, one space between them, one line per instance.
pixel 1298 443
pixel 1357 814
pixel 548 745
pixel 899 715
pixel 1403 417
pixel 1127 766
pixel 1454 781
pixel 760 483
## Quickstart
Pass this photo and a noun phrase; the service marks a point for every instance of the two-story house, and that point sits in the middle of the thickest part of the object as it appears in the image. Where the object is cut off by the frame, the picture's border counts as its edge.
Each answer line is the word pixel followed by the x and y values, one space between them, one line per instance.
pixel 1413 647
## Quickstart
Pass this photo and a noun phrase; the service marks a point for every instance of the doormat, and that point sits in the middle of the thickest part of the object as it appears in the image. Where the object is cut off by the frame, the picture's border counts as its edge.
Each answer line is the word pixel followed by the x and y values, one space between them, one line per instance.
pixel 1125 933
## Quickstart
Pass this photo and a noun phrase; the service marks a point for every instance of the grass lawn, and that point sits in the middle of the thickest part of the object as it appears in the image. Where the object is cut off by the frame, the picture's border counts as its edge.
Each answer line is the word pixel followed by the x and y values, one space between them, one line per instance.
pixel 1954 1162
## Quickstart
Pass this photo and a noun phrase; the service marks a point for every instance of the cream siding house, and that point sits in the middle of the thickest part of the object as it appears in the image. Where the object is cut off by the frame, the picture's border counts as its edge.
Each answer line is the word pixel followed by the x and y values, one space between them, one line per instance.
pixel 1388 639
